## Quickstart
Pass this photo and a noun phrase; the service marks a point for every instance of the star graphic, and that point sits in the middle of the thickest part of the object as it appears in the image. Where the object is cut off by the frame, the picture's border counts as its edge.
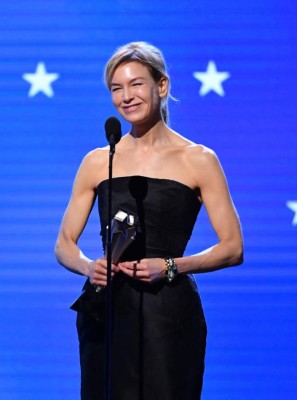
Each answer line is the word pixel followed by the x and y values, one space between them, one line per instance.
pixel 293 206
pixel 41 81
pixel 211 80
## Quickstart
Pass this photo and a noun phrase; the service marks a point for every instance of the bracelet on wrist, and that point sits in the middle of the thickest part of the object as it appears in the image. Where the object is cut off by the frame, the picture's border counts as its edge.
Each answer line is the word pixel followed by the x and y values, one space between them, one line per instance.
pixel 171 269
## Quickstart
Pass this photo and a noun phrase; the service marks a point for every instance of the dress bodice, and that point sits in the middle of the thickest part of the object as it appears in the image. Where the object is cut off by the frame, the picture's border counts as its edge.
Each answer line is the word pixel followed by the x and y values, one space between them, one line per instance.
pixel 166 211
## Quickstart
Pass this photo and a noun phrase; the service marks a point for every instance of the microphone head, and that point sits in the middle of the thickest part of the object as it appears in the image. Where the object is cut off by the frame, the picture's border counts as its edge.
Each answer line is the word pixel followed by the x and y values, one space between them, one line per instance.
pixel 113 130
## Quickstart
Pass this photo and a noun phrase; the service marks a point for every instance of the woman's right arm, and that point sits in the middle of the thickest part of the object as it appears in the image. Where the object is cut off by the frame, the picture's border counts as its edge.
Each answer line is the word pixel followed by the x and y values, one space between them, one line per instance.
pixel 75 218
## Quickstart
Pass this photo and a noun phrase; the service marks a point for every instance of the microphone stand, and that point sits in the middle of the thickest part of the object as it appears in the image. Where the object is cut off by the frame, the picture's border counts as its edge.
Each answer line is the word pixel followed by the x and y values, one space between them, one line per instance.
pixel 108 294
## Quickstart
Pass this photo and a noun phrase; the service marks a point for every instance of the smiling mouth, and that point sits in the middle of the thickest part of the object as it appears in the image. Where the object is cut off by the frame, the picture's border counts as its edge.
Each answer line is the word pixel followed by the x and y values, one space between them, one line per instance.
pixel 131 108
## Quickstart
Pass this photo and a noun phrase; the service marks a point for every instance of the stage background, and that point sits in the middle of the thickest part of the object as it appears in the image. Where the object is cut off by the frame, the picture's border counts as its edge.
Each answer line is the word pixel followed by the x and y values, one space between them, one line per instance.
pixel 251 309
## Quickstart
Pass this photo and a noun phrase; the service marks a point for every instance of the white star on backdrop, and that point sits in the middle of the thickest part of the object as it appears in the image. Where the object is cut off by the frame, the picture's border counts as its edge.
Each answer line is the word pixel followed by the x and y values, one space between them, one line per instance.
pixel 211 80
pixel 293 206
pixel 41 81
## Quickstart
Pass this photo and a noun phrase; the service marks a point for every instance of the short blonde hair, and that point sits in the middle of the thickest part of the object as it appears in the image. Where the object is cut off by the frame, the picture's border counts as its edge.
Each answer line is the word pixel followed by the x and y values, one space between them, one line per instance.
pixel 146 54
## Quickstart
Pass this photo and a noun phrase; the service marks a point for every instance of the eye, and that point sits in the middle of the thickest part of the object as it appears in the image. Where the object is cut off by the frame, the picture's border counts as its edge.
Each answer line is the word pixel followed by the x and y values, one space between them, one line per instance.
pixel 115 89
pixel 137 84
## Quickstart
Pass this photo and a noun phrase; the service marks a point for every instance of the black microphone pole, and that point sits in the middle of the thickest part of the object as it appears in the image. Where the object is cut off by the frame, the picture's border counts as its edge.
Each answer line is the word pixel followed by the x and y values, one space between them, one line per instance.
pixel 113 135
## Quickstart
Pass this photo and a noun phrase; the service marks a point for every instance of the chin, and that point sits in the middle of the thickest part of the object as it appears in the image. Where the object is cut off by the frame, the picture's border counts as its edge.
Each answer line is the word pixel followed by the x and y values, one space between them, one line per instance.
pixel 134 119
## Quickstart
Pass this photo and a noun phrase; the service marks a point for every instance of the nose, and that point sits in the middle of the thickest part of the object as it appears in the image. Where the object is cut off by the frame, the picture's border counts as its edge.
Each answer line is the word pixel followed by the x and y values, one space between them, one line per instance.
pixel 127 95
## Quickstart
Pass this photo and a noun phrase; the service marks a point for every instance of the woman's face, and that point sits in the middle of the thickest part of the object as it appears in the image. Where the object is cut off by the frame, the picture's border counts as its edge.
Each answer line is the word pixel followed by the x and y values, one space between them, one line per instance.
pixel 135 94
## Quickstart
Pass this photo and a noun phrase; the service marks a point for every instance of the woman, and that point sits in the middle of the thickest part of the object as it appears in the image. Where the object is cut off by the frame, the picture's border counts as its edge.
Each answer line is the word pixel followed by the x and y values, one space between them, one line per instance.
pixel 159 331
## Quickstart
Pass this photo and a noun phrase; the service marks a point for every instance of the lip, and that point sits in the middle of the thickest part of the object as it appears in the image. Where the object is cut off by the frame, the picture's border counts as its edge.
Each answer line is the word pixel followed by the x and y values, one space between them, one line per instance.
pixel 130 108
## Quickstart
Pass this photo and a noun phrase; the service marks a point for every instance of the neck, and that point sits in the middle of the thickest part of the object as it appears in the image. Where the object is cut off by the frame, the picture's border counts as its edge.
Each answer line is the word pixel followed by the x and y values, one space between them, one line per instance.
pixel 148 134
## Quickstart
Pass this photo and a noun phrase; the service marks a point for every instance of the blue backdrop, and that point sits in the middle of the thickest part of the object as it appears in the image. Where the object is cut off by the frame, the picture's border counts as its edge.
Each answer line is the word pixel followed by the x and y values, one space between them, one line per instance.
pixel 233 68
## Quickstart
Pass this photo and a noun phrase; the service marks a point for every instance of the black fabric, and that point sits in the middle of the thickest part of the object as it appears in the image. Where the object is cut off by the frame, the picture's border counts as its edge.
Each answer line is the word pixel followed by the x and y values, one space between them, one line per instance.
pixel 159 330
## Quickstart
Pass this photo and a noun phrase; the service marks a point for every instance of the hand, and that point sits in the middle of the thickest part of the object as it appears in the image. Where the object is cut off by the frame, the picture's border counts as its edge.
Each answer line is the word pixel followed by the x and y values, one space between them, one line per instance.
pixel 98 272
pixel 145 270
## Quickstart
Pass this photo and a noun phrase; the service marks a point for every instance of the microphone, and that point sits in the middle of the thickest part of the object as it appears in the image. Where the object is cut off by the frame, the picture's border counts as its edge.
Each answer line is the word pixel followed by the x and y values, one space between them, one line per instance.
pixel 113 130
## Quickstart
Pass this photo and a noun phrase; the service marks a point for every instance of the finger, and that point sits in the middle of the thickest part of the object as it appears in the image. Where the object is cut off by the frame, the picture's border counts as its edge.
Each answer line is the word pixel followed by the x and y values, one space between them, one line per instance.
pixel 101 261
pixel 98 281
pixel 115 268
pixel 98 271
pixel 102 273
pixel 134 272
pixel 132 265
pixel 127 264
pixel 101 279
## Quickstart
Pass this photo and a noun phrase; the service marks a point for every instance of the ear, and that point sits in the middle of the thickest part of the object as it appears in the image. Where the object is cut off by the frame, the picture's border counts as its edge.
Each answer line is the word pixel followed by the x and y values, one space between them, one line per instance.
pixel 163 87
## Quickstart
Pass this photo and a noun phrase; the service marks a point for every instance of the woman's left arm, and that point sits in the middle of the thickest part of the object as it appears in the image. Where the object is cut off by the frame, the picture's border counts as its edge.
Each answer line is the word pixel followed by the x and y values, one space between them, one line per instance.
pixel 223 217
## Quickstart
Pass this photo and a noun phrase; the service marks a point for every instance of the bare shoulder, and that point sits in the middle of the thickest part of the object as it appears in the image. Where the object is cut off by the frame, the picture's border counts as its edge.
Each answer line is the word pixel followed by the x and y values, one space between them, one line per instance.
pixel 93 167
pixel 197 152
pixel 96 156
pixel 203 166
pixel 201 156
pixel 199 163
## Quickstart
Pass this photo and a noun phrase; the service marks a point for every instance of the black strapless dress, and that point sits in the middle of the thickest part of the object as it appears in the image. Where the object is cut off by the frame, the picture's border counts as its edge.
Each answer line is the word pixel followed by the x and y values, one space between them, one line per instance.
pixel 159 330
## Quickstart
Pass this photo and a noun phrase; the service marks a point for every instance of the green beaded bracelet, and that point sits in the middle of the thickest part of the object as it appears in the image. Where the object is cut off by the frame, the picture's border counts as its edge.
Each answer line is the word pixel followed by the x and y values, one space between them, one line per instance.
pixel 170 269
